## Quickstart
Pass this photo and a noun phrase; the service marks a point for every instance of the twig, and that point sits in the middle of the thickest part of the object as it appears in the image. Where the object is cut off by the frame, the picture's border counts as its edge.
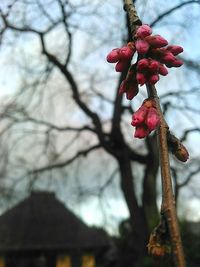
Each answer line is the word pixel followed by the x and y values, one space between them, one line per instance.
pixel 168 208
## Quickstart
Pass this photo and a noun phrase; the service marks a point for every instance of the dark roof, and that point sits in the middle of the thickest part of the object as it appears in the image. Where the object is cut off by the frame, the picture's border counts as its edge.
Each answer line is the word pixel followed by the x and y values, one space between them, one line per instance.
pixel 43 222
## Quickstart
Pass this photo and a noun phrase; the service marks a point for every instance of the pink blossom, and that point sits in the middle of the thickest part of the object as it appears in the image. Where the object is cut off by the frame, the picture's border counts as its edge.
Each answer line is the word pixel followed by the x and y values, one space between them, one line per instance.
pixel 126 53
pixel 113 56
pixel 153 79
pixel 143 31
pixel 152 119
pixel 142 64
pixel 168 58
pixel 175 49
pixel 139 116
pixel 141 46
pixel 153 66
pixel 121 65
pixel 156 41
pixel 141 131
pixel 162 70
pixel 177 63
pixel 141 79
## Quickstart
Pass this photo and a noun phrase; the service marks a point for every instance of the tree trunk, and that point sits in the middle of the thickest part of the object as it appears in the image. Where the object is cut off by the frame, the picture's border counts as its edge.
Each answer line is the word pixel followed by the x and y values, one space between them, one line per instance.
pixel 149 185
pixel 137 219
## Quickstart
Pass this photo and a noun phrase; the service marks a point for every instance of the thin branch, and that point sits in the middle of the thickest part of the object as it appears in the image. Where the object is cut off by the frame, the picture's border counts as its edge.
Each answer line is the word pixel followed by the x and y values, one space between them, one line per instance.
pixel 50 125
pixel 171 10
pixel 64 20
pixel 168 208
pixel 64 163
pixel 187 132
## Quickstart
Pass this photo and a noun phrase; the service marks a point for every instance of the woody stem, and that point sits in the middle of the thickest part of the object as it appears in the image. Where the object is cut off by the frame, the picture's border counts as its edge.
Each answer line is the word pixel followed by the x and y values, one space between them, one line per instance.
pixel 168 208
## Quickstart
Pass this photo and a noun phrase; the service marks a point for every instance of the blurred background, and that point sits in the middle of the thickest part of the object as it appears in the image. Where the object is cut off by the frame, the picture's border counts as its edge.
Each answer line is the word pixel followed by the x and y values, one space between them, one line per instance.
pixel 65 129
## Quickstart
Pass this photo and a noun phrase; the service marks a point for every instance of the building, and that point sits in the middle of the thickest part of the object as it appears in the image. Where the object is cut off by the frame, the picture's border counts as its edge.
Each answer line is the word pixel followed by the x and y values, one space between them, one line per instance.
pixel 41 232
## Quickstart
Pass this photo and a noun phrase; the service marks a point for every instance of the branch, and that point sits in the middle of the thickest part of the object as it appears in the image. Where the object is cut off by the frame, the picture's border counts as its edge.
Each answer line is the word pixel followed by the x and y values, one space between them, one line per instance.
pixel 171 10
pixel 184 137
pixel 64 20
pixel 65 162
pixel 50 125
pixel 168 208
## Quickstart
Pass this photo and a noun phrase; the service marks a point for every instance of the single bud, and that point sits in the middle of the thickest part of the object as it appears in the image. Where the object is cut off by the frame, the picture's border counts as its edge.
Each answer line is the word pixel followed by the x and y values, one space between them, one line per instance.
pixel 168 58
pixel 143 31
pixel 121 65
pixel 181 153
pixel 143 64
pixel 126 53
pixel 152 119
pixel 177 63
pixel 113 56
pixel 162 70
pixel 139 116
pixel 142 47
pixel 153 79
pixel 141 79
pixel 175 49
pixel 156 41
pixel 141 131
pixel 132 92
pixel 153 66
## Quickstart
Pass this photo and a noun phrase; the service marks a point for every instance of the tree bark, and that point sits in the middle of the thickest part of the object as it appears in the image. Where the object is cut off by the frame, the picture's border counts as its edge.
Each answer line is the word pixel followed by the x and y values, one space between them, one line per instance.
pixel 137 219
pixel 149 204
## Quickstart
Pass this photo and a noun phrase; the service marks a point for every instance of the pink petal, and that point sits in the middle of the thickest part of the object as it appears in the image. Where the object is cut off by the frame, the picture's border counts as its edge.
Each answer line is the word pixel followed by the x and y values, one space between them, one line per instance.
pixel 142 46
pixel 152 119
pixel 156 41
pixel 139 116
pixel 143 31
pixel 121 66
pixel 113 56
pixel 141 131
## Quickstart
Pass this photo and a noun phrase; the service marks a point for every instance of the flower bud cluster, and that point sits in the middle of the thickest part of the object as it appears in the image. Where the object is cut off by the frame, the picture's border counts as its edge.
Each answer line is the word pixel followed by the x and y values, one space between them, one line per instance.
pixel 154 55
pixel 145 119
pixel 121 56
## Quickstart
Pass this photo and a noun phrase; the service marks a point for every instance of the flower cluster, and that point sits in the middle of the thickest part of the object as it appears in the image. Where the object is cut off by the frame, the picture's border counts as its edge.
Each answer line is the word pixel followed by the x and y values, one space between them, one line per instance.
pixel 154 57
pixel 121 56
pixel 145 119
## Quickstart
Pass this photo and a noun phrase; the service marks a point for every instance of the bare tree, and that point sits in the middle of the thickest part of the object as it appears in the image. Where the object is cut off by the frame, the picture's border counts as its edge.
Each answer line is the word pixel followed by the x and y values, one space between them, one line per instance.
pixel 67 109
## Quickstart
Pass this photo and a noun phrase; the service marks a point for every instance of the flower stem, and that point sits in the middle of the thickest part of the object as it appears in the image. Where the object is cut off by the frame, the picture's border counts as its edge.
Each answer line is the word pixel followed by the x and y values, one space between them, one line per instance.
pixel 168 208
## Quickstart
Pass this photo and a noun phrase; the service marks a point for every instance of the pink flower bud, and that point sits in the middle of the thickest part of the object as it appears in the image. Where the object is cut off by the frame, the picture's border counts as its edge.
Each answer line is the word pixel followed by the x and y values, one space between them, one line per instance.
pixel 121 65
pixel 153 79
pixel 141 131
pixel 152 119
pixel 177 63
pixel 141 46
pixel 132 92
pixel 156 41
pixel 168 58
pixel 153 66
pixel 143 31
pixel 113 56
pixel 139 116
pixel 162 70
pixel 141 79
pixel 142 64
pixel 175 49
pixel 126 53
